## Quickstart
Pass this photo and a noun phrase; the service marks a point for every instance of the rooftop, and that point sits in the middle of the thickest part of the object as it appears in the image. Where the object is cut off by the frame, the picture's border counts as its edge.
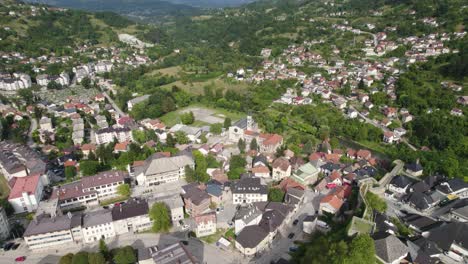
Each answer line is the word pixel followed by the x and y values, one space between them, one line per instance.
pixel 26 184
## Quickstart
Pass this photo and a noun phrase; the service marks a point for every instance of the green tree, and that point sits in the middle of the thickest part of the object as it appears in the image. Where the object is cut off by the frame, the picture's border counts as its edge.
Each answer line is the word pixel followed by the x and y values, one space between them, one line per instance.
pixel 241 145
pixel 86 82
pixel 124 190
pixel 70 173
pixel 216 128
pixel 170 141
pixel 80 258
pixel 361 250
pixel 308 147
pixel 96 258
pixel 187 118
pixel 103 249
pixel 52 85
pixel 275 195
pixel 89 167
pixel 375 202
pixel 160 215
pixel 227 122
pixel 125 255
pixel 181 137
pixel 67 259
pixel 254 144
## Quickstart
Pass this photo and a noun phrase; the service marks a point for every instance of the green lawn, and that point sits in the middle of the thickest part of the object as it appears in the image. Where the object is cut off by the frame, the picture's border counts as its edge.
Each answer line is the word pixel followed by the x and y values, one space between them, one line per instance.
pixel 113 200
pixel 172 118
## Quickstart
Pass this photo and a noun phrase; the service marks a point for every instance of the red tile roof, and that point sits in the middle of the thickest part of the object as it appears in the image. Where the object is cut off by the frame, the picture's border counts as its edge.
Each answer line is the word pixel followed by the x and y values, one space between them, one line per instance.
pixel 332 200
pixel 205 218
pixel 26 184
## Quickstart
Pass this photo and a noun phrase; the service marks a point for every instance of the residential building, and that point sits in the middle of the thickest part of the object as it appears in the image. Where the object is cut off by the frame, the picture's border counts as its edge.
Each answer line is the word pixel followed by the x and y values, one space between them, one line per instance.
pixel 131 216
pixel 269 143
pixel 399 184
pixel 249 190
pixel 306 174
pixel 26 193
pixel 281 169
pixel 309 223
pixel 131 103
pixel 451 238
pixel 414 169
pixel 246 216
pixel 4 225
pixel 173 254
pixel 196 201
pixel 18 160
pixel 109 134
pixel 176 207
pixel 252 240
pixel 205 224
pixel 53 231
pixel 97 225
pixel 159 169
pixel 389 249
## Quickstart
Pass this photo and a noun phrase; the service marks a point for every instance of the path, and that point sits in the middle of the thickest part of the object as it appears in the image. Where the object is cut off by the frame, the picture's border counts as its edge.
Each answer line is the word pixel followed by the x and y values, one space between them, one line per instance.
pixel 32 128
pixel 114 105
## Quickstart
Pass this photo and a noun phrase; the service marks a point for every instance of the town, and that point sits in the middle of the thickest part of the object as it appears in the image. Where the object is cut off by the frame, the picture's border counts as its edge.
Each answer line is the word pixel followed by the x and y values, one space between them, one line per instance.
pixel 106 155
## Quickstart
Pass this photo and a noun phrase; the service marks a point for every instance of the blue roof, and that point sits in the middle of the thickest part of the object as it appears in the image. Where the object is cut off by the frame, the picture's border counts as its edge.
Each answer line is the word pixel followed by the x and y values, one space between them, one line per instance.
pixel 214 189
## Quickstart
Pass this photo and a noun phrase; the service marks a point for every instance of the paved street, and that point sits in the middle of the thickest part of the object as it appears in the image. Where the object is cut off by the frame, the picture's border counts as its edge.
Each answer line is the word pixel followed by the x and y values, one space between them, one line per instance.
pixel 207 253
pixel 280 246
pixel 114 105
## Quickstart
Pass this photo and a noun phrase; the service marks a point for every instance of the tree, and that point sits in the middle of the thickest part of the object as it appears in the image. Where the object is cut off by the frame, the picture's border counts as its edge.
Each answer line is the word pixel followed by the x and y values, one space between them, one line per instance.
pixel 89 167
pixel 80 258
pixel 52 85
pixel 200 167
pixel 308 147
pixel 170 141
pixel 241 145
pixel 181 137
pixel 103 249
pixel 125 255
pixel 254 144
pixel 227 122
pixel 70 173
pixel 275 195
pixel 124 190
pixel 216 128
pixel 67 259
pixel 86 82
pixel 375 202
pixel 187 118
pixel 96 258
pixel 160 215
pixel 360 249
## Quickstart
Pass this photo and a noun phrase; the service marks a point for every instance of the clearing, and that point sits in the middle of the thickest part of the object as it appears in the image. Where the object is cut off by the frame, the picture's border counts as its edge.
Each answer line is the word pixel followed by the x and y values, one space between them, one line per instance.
pixel 203 115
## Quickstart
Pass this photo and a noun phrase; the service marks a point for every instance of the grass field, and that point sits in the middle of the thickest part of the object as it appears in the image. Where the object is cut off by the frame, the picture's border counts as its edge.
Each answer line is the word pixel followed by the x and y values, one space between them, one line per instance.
pixel 197 87
pixel 172 118
pixel 171 71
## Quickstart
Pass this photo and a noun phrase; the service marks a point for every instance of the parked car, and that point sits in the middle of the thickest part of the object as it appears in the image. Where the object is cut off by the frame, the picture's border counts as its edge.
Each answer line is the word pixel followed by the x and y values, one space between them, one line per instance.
pixel 15 246
pixel 8 246
pixel 295 222
pixel 20 259
pixel 105 207
pixel 293 249
pixel 291 235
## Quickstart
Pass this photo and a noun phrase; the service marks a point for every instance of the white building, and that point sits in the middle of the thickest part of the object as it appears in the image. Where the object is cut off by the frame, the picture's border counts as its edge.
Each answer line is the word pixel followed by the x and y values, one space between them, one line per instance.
pixel 26 193
pixel 249 190
pixel 246 216
pixel 176 207
pixel 157 170
pixel 109 134
pixel 97 225
pixel 206 224
pixel 53 232
pixel 131 217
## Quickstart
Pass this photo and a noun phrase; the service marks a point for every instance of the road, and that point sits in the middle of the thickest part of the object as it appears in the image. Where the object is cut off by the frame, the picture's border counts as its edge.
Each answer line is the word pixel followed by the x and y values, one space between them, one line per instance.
pixel 281 244
pixel 114 105
pixel 206 253
pixel 32 128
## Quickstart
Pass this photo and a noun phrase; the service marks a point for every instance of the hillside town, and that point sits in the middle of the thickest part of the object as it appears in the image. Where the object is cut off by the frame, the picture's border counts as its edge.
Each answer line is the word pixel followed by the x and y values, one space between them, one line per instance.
pixel 81 172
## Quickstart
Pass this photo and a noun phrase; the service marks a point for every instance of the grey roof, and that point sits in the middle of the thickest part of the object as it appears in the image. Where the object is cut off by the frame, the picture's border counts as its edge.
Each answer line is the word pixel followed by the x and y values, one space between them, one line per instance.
pixel 195 194
pixel 462 211
pixel 415 167
pixel 419 254
pixel 156 165
pixel 271 220
pixel 455 232
pixel 251 236
pixel 132 208
pixel 390 248
pixel 242 123
pixel 173 254
pixel 45 224
pixel 401 181
pixel 419 200
pixel 249 185
pixel 97 218
pixel 247 213
pixel 420 222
